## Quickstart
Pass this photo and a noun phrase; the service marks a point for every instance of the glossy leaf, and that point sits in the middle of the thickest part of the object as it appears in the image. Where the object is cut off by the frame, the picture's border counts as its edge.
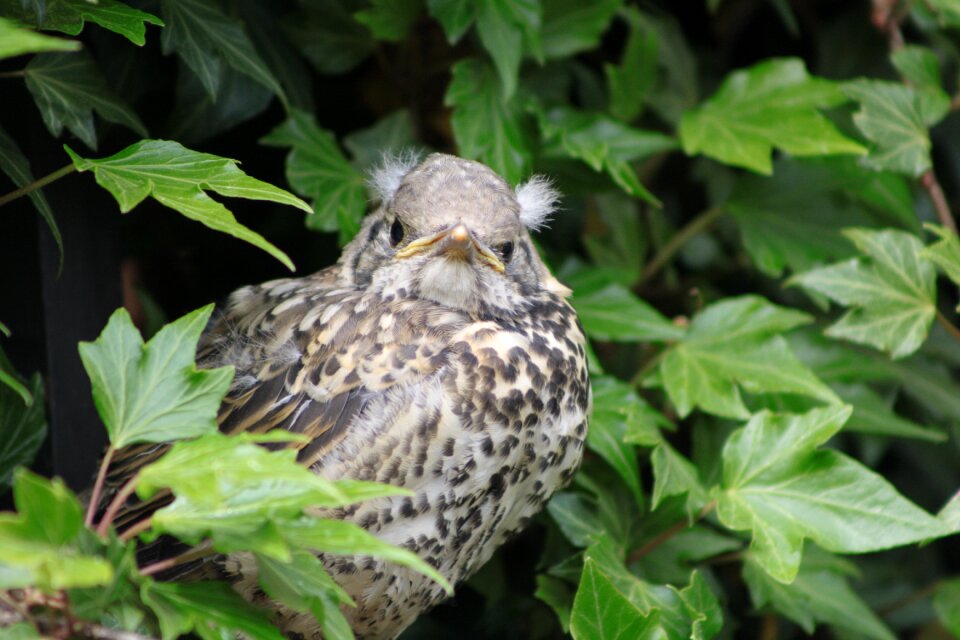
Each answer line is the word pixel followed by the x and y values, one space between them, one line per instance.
pixel 153 392
pixel 317 169
pixel 68 88
pixel 456 16
pixel 487 125
pixel 23 426
pixel 328 35
pixel 945 252
pixel 920 67
pixel 205 38
pixel 506 28
pixel 390 20
pixel 630 81
pixel 70 17
pixel 601 612
pixel 570 26
pixel 891 291
pixel 873 414
pixel 178 178
pixel 817 595
pixel 609 426
pixel 615 314
pixel 779 486
pixel 674 475
pixel 391 135
pixel 947 605
pixel 16 40
pixel 773 104
pixel 212 610
pixel 734 344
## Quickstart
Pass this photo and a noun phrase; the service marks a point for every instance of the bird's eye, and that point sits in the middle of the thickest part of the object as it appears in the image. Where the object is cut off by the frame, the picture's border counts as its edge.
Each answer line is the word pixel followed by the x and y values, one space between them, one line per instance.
pixel 506 250
pixel 396 232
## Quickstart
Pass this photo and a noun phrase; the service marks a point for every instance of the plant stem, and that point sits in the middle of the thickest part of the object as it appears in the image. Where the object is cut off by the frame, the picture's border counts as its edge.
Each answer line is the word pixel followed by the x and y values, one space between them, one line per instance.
pixel 673 530
pixel 116 504
pixel 695 226
pixel 136 529
pixel 951 328
pixel 193 554
pixel 37 184
pixel 98 486
pixel 929 182
pixel 916 596
pixel 14 74
pixel 647 367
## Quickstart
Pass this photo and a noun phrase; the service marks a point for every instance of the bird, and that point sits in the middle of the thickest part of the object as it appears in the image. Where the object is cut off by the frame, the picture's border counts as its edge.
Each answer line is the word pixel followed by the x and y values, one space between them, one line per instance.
pixel 439 354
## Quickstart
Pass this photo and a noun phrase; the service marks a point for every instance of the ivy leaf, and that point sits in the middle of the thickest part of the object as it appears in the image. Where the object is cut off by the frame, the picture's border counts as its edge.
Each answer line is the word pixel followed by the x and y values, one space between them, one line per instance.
pixel 38 546
pixel 618 407
pixel 304 585
pixel 772 104
pixel 891 289
pixel 153 392
pixel 456 16
pixel 872 414
pixel 178 177
pixel 605 144
pixel 570 26
pixel 945 253
pixel 615 314
pixel 674 475
pixel 16 41
pixel 818 594
pixel 894 118
pixel 505 27
pixel 947 605
pixel 630 81
pixel 23 426
pixel 212 610
pixel 488 127
pixel 601 612
pixel 921 68
pixel 733 344
pixel 779 486
pixel 390 20
pixel 327 34
pixel 317 169
pixel 70 17
pixel 16 166
pixel 392 134
pixel 609 426
pixel 204 37
pixel 67 88
pixel 557 595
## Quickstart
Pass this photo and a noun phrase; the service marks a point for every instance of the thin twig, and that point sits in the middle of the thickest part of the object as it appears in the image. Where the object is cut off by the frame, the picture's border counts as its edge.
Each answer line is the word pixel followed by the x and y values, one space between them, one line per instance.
pixel 673 530
pixel 136 529
pixel 916 596
pixel 929 182
pixel 14 74
pixel 951 328
pixel 117 503
pixel 98 486
pixel 37 184
pixel 666 253
pixel 769 627
pixel 200 551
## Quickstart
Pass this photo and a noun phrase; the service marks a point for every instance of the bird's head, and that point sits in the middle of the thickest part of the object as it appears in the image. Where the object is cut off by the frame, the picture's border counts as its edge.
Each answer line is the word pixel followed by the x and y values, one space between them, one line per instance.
pixel 453 231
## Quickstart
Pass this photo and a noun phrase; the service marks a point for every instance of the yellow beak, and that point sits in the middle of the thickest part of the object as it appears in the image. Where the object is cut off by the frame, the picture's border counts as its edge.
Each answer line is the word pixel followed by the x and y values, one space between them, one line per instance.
pixel 454 241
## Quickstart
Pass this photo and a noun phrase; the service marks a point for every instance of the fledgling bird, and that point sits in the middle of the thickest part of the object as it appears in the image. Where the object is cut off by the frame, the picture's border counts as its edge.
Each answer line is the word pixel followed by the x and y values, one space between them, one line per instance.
pixel 438 355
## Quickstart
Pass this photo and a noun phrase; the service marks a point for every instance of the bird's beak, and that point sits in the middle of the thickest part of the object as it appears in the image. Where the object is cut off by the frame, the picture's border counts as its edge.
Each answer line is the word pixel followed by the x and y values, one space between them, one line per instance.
pixel 455 242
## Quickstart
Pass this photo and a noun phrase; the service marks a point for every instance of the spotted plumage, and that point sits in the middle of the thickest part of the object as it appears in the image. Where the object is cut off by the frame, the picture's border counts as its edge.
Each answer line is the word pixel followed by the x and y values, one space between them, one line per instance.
pixel 438 355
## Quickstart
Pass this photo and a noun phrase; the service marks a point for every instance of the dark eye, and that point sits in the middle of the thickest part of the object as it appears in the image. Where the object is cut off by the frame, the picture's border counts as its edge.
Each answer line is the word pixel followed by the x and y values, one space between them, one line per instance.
pixel 396 232
pixel 506 250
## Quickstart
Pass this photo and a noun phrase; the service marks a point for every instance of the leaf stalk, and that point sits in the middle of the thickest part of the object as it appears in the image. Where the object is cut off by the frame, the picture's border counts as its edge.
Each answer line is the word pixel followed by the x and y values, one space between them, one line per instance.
pixel 98 486
pixel 37 184
pixel 666 253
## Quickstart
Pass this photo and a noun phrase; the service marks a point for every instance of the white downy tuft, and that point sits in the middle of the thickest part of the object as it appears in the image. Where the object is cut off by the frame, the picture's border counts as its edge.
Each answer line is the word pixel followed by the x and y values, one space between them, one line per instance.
pixel 386 177
pixel 538 199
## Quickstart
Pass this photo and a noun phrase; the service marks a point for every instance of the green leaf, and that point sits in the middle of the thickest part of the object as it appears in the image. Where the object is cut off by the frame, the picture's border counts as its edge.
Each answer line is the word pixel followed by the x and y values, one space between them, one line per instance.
pixel 947 605
pixel 774 103
pixel 505 28
pixel 891 291
pixel 455 16
pixel 342 537
pixel 872 414
pixel 615 314
pixel 608 427
pixel 23 426
pixel 21 631
pixel 390 20
pixel 16 166
pixel 178 177
pixel 70 17
pixel 317 169
pixel 945 253
pixel 68 88
pixel 558 596
pixel 618 406
pixel 153 392
pixel 392 134
pixel 38 546
pixel 733 344
pixel 894 118
pixel 204 37
pixel 674 475
pixel 630 81
pixel 327 34
pixel 920 67
pixel 605 144
pixel 16 40
pixel 487 126
pixel 571 26
pixel 230 489
pixel 779 486
pixel 304 585
pixel 601 612
pixel 621 243
pixel 818 594
pixel 212 610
